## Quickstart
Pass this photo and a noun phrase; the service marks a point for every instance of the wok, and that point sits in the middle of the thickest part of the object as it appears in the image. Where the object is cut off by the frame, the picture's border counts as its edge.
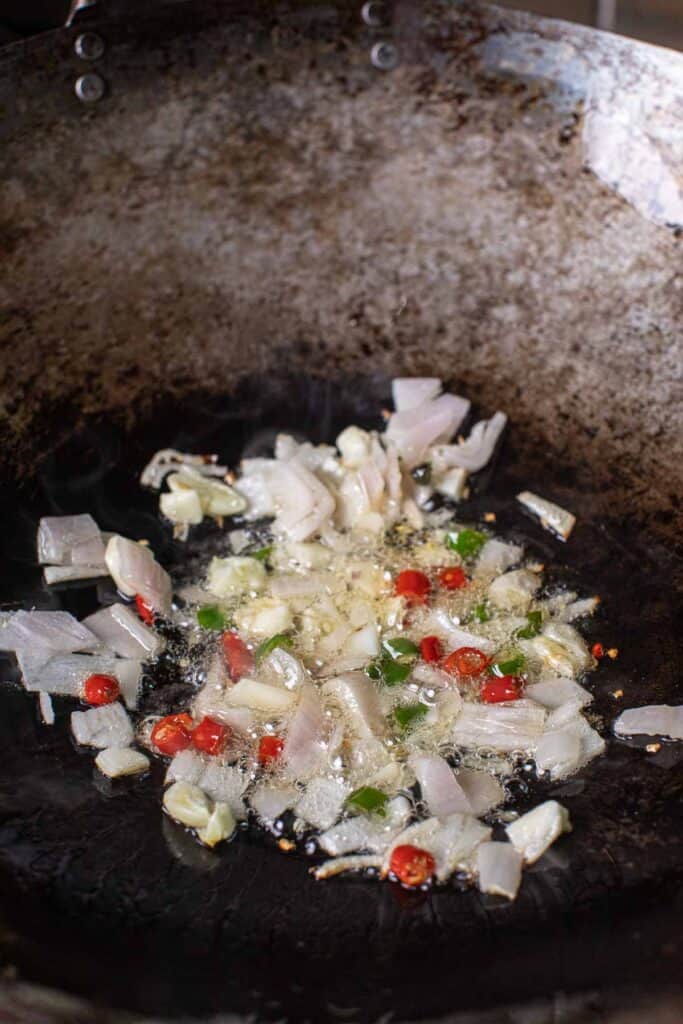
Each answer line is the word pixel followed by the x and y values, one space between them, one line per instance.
pixel 254 228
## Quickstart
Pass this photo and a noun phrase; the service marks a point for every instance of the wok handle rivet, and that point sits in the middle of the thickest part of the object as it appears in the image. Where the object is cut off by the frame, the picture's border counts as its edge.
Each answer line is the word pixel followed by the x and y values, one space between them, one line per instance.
pixel 384 56
pixel 89 88
pixel 373 13
pixel 89 46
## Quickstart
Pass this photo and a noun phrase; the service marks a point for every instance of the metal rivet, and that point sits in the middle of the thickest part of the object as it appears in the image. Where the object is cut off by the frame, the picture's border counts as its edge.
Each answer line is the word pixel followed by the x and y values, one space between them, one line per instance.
pixel 89 46
pixel 373 13
pixel 89 88
pixel 384 56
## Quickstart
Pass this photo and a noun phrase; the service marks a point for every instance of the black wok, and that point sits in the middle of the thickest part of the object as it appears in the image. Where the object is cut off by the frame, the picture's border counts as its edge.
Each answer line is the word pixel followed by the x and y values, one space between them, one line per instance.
pixel 254 228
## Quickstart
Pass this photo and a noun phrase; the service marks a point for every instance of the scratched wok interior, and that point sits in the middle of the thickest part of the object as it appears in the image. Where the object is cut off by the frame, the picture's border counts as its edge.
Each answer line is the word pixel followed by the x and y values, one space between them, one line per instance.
pixel 254 229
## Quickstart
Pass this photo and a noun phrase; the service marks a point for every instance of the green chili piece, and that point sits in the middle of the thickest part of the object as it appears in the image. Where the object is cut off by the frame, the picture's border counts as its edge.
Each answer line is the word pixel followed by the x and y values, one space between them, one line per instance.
pixel 533 627
pixel 263 554
pixel 467 543
pixel 481 613
pixel 369 800
pixel 510 667
pixel 210 617
pixel 401 647
pixel 408 715
pixel 268 646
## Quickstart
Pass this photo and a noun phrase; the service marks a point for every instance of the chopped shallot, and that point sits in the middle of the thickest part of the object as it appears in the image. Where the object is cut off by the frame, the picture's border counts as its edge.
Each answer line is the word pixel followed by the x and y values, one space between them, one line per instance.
pixel 70 541
pixel 162 462
pixel 47 712
pixel 653 720
pixel 120 629
pixel 535 831
pixel 474 453
pixel 499 867
pixel 338 865
pixel 135 570
pixel 553 517
pixel 106 726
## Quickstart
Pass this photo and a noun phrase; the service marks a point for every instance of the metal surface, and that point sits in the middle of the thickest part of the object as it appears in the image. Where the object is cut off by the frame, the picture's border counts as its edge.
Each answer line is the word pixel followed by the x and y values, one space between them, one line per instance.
pixel 89 46
pixel 253 196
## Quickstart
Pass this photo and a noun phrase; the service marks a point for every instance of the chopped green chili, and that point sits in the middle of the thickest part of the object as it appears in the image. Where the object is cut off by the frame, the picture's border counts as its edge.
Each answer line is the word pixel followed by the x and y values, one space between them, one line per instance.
pixel 210 617
pixel 467 543
pixel 509 667
pixel 263 554
pixel 369 800
pixel 408 715
pixel 268 646
pixel 401 647
pixel 533 627
pixel 481 613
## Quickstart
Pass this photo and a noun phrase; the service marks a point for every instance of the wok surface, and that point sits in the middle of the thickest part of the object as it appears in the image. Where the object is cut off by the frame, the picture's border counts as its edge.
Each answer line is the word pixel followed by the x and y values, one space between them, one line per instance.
pixel 253 197
pixel 104 874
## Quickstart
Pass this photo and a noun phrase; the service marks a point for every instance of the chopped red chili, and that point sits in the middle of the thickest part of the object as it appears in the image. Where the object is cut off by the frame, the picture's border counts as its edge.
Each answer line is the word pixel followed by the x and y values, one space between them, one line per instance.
pixel 269 749
pixel 431 649
pixel 210 736
pixel 453 578
pixel 145 611
pixel 413 585
pixel 172 734
pixel 238 657
pixel 411 865
pixel 466 661
pixel 101 689
pixel 501 689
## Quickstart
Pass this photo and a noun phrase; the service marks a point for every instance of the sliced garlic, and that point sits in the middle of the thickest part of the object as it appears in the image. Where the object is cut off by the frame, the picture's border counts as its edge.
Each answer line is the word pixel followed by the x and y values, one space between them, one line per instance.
pixel 221 825
pixel 250 693
pixel 181 506
pixel 117 761
pixel 237 574
pixel 188 805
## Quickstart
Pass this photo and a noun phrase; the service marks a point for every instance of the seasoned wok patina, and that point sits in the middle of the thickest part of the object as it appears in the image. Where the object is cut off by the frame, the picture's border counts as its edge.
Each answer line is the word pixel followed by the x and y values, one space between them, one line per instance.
pixel 253 197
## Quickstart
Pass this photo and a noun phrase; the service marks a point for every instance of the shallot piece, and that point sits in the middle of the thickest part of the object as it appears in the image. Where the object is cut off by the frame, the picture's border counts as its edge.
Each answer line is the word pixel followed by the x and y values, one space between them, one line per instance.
pixel 135 570
pixel 304 749
pixel 45 634
pixel 168 459
pixel 652 720
pixel 474 453
pixel 553 517
pixel 106 726
pixel 47 712
pixel 499 867
pixel 120 629
pixel 414 430
pixel 409 392
pixel 70 541
pixel 439 786
pixel 535 831
pixel 338 865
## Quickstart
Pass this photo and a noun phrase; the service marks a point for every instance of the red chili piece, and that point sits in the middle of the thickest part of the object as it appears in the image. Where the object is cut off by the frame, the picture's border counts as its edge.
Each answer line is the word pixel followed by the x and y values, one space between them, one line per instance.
pixel 210 736
pixel 101 689
pixel 453 578
pixel 145 611
pixel 269 749
pixel 431 649
pixel 466 661
pixel 413 585
pixel 598 651
pixel 172 734
pixel 238 657
pixel 411 865
pixel 496 691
